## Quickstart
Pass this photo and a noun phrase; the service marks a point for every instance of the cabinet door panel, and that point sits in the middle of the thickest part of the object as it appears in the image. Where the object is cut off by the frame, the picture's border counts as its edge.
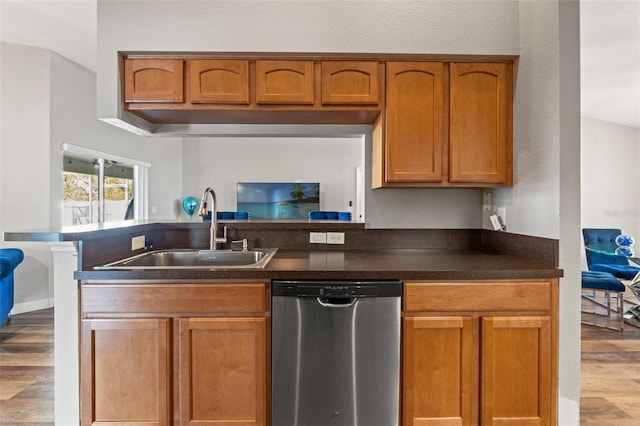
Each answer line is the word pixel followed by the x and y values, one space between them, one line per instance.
pixel 414 122
pixel 284 82
pixel 350 82
pixel 153 80
pixel 223 371
pixel 126 367
pixel 219 81
pixel 438 371
pixel 516 371
pixel 480 123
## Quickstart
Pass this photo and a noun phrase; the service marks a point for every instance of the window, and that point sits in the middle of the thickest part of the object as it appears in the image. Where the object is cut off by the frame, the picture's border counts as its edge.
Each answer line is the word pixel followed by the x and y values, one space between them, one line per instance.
pixel 99 187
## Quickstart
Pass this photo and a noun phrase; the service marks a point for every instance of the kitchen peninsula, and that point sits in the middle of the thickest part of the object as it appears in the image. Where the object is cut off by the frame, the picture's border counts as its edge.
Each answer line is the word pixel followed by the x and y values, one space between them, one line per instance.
pixel 479 317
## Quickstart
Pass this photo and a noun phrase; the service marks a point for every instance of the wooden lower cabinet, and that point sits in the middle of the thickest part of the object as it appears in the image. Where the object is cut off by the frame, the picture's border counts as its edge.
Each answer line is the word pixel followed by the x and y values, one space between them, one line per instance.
pixel 479 367
pixel 174 367
pixel 516 371
pixel 126 372
pixel 439 364
pixel 223 371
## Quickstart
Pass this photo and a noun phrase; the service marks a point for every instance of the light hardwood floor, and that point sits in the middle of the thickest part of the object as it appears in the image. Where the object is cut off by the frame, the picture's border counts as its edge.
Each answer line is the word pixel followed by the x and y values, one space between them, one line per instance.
pixel 26 369
pixel 610 371
pixel 610 374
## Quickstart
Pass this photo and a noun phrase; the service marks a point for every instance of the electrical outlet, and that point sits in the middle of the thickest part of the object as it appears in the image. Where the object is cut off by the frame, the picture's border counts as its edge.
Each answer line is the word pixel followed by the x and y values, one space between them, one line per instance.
pixel 486 201
pixel 317 237
pixel 137 243
pixel 335 237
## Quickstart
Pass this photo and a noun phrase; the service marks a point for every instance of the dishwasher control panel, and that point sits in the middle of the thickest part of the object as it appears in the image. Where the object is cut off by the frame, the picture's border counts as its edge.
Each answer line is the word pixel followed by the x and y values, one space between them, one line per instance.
pixel 335 289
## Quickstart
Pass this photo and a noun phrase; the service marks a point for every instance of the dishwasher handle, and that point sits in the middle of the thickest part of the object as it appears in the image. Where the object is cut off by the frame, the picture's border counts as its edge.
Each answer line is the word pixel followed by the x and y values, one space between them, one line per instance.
pixel 337 302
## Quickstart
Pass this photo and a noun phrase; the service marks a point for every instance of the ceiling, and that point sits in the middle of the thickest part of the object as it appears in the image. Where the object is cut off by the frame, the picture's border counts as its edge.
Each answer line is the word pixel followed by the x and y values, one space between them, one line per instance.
pixel 67 27
pixel 610 46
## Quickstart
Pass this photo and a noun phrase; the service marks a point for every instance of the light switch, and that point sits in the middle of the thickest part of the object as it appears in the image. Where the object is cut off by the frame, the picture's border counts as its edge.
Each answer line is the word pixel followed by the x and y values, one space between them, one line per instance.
pixel 317 237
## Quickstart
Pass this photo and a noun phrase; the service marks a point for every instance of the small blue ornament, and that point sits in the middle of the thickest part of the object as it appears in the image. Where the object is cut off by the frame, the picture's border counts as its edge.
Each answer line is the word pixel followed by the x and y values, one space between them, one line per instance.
pixel 625 251
pixel 190 205
pixel 623 240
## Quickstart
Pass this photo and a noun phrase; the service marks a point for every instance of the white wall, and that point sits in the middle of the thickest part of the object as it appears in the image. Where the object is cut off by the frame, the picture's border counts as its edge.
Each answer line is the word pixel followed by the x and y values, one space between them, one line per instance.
pixel 48 100
pixel 610 192
pixel 568 147
pixel 534 199
pixel 222 162
pixel 25 199
pixel 73 120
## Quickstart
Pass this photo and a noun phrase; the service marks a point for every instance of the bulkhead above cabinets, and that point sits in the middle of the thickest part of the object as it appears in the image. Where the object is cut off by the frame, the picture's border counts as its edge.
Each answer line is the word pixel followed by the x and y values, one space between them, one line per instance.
pixel 437 120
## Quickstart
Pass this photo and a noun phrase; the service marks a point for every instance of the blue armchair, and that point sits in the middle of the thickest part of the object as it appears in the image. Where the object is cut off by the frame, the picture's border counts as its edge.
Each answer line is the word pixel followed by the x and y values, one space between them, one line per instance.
pixel 618 266
pixel 10 258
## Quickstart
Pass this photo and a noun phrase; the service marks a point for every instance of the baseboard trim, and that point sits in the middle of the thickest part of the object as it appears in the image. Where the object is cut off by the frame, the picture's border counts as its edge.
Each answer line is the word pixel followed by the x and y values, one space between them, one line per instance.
pixel 34 305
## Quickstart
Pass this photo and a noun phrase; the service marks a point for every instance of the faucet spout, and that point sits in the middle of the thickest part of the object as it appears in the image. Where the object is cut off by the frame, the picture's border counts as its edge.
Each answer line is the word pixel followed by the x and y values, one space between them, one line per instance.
pixel 213 238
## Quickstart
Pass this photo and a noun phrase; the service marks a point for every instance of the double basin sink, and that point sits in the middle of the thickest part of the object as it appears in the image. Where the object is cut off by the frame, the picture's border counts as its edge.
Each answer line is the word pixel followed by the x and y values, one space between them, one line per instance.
pixel 194 259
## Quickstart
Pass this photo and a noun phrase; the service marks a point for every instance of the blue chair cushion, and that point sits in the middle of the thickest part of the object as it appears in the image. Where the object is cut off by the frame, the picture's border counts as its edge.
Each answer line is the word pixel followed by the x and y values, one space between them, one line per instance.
pixel 626 272
pixel 6 267
pixel 601 281
pixel 11 257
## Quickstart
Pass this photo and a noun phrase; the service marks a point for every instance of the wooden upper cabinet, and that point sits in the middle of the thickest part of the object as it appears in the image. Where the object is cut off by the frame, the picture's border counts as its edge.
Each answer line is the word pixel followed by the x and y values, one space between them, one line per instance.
pixel 436 122
pixel 414 128
pixel 481 110
pixel 153 80
pixel 223 81
pixel 284 82
pixel 350 82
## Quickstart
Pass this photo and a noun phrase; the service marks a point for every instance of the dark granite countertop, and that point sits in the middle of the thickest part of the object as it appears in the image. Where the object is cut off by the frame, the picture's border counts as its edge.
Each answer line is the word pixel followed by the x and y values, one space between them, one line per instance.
pixel 403 264
pixel 405 254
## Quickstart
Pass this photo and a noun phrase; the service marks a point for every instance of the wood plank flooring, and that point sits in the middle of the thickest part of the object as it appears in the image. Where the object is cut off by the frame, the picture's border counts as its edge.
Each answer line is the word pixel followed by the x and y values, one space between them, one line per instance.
pixel 610 371
pixel 26 370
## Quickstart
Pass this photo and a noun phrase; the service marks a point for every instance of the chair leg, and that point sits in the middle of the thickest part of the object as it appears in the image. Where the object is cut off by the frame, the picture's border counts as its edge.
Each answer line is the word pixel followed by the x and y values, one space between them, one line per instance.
pixel 605 304
pixel 619 310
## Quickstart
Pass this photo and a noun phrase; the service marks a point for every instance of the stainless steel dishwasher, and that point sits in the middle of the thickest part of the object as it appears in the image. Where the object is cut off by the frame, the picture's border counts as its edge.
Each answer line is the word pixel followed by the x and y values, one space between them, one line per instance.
pixel 335 353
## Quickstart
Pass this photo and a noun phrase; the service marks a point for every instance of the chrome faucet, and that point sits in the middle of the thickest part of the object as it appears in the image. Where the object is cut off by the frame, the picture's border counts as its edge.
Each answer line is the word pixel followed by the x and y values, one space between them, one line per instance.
pixel 213 238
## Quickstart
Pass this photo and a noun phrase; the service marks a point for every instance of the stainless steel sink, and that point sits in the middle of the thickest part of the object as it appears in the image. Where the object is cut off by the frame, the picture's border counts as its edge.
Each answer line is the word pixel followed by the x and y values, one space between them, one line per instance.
pixel 194 259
